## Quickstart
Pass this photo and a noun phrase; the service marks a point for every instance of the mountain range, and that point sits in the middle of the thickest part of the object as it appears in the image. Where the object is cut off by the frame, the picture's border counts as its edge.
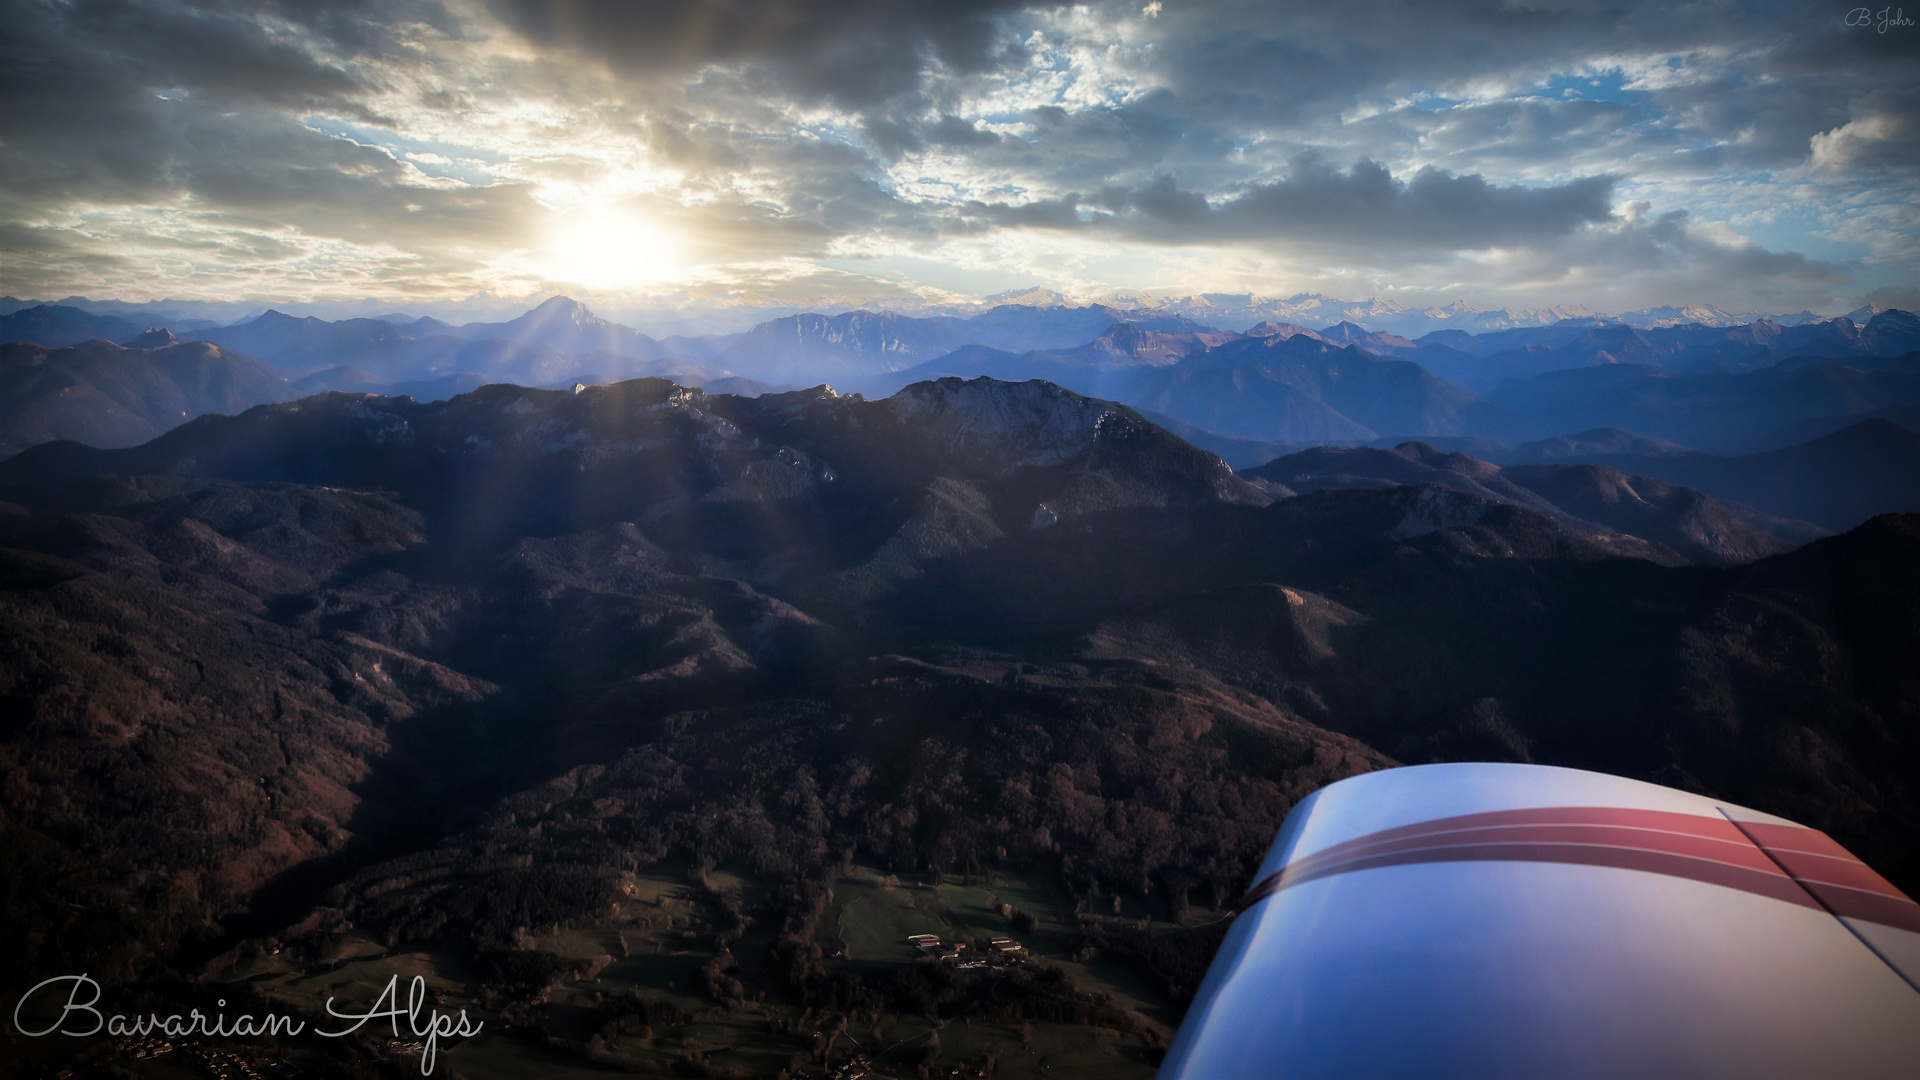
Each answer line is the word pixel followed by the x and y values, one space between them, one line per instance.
pixel 1096 349
pixel 677 314
pixel 445 679
pixel 1273 389
pixel 1710 411
pixel 1648 518
pixel 794 529
pixel 56 325
pixel 1486 360
pixel 1391 316
pixel 113 395
pixel 1286 384
pixel 1837 480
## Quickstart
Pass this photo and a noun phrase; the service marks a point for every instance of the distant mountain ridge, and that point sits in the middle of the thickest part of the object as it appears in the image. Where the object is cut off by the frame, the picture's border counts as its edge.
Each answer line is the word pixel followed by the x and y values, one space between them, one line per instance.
pixel 565 324
pixel 981 430
pixel 858 343
pixel 1484 361
pixel 1222 310
pixel 51 324
pixel 1654 519
pixel 109 395
pixel 1723 412
pixel 1287 384
pixel 1158 368
pixel 1391 316
pixel 1722 388
pixel 1837 481
pixel 558 327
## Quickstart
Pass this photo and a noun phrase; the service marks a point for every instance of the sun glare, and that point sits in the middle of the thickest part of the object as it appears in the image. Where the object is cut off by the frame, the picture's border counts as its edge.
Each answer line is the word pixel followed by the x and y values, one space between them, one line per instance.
pixel 610 248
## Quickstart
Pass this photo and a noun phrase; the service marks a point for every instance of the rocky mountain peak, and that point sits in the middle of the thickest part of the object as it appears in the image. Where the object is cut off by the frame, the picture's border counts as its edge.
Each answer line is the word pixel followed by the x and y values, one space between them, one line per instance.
pixel 276 319
pixel 1029 423
pixel 1272 329
pixel 563 309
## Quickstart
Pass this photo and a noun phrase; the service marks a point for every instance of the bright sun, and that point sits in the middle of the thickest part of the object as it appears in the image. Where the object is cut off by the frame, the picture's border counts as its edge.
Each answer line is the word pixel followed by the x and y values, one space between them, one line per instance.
pixel 610 248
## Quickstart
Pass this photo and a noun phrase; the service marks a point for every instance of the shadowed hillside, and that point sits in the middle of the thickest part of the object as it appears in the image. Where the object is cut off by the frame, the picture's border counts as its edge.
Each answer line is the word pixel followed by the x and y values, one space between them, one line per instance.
pixel 364 677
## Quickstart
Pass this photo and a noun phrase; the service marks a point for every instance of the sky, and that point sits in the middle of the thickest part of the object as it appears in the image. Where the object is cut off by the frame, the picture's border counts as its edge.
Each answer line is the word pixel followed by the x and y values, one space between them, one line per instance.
pixel 1758 157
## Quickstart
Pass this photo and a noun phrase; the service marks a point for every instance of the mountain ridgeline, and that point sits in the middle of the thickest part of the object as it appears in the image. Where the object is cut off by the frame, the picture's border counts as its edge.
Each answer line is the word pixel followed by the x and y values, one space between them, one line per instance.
pixel 104 394
pixel 388 636
pixel 1723 391
pixel 450 669
pixel 1647 517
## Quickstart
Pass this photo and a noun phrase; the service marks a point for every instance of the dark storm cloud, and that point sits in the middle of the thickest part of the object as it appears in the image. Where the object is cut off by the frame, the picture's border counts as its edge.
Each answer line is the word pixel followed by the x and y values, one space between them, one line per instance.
pixel 1364 206
pixel 853 53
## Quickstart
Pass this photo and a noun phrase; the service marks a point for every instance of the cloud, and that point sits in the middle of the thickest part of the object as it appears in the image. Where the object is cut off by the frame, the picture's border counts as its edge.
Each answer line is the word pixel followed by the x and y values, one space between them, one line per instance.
pixel 1904 297
pixel 1363 208
pixel 311 145
pixel 1880 137
pixel 850 53
pixel 1642 259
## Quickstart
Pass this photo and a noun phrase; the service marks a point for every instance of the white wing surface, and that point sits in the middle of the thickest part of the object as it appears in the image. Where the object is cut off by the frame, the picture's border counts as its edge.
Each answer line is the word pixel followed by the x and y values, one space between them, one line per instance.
pixel 1493 920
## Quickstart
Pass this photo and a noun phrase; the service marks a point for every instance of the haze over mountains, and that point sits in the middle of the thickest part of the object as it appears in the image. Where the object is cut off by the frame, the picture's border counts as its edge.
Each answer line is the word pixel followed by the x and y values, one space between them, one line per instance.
pixel 1250 394
pixel 1219 309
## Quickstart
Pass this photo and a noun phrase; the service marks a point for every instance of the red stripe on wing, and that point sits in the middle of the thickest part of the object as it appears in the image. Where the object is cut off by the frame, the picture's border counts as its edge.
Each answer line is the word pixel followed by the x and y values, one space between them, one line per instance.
pixel 1784 862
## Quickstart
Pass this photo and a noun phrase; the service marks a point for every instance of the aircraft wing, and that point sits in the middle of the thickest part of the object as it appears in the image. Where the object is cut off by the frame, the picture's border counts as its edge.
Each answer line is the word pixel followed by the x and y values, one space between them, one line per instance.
pixel 1495 920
